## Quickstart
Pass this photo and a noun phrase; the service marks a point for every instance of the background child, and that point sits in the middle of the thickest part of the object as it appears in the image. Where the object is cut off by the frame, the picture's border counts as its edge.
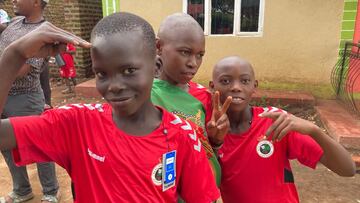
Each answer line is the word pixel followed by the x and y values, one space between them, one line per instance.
pixel 181 46
pixel 255 154
pixel 133 151
pixel 68 71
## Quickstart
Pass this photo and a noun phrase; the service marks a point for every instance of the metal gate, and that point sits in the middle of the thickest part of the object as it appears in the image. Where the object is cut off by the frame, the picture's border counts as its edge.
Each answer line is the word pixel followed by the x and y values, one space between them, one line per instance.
pixel 345 76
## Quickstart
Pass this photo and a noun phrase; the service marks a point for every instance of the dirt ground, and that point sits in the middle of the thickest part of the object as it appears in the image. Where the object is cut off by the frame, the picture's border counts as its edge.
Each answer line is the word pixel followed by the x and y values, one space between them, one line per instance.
pixel 314 186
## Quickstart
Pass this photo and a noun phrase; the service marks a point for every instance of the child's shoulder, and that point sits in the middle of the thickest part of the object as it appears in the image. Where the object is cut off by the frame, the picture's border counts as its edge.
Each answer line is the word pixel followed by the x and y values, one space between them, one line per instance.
pixel 81 107
pixel 193 86
pixel 186 131
pixel 259 109
pixel 199 91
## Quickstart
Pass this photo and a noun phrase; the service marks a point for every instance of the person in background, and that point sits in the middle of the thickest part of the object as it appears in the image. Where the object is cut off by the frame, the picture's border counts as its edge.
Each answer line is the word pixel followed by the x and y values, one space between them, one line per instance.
pixel 68 71
pixel 26 97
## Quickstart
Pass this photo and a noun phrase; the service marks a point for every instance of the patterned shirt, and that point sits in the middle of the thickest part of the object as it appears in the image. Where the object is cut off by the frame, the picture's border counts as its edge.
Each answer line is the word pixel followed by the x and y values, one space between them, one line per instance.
pixel 30 82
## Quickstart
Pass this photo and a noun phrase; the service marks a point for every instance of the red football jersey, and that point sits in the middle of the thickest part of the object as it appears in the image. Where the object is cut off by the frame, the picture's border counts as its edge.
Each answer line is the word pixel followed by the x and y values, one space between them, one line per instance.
pixel 109 165
pixel 248 177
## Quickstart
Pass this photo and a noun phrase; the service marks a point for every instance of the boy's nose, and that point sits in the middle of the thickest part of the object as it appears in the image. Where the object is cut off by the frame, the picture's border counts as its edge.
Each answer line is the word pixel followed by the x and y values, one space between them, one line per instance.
pixel 192 63
pixel 237 87
pixel 116 85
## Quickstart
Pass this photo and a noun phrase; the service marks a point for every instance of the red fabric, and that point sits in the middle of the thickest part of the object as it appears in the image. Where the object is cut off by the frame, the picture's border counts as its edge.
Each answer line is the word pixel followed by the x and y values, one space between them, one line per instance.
pixel 68 70
pixel 108 165
pixel 202 94
pixel 247 177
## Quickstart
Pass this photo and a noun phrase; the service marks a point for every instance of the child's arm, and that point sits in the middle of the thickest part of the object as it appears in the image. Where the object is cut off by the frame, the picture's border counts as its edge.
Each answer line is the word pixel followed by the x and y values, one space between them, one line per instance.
pixel 335 157
pixel 219 125
pixel 44 41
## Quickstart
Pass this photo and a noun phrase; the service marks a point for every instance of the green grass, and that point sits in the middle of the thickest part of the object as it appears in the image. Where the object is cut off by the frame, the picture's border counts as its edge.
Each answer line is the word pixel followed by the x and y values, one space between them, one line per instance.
pixel 319 91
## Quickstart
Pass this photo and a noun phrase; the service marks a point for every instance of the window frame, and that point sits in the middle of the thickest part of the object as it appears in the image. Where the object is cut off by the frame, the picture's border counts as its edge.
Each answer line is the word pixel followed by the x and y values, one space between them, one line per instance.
pixel 237 14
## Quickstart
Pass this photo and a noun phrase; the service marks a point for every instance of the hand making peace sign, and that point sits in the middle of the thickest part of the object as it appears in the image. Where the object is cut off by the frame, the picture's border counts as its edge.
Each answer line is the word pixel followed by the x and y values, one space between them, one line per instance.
pixel 219 124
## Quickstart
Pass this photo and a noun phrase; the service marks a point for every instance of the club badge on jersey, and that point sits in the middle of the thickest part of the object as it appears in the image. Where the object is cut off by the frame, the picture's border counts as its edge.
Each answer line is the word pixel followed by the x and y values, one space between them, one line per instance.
pixel 264 148
pixel 169 170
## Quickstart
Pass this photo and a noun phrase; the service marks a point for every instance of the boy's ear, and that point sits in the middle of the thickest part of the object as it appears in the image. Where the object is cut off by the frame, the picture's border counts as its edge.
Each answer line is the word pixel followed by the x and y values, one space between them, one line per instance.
pixel 211 86
pixel 158 46
pixel 256 84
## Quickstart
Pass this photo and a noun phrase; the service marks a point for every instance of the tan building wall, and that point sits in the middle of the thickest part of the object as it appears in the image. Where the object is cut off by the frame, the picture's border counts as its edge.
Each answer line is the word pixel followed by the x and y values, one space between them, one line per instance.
pixel 299 44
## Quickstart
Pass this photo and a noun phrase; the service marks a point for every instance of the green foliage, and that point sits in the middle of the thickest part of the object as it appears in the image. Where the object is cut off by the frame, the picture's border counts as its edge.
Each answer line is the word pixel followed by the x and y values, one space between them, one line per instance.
pixel 319 91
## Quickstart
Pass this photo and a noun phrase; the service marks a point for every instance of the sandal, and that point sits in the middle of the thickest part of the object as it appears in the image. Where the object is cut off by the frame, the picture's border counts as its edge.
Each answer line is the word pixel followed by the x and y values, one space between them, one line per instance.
pixel 14 198
pixel 51 198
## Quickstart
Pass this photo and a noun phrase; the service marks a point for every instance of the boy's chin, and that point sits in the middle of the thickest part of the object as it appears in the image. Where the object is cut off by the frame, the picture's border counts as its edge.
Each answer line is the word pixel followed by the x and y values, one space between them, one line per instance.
pixel 238 107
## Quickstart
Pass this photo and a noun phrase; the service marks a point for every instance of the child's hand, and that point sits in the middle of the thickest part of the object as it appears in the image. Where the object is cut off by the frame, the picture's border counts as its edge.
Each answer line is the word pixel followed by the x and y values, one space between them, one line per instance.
pixel 284 123
pixel 46 40
pixel 219 124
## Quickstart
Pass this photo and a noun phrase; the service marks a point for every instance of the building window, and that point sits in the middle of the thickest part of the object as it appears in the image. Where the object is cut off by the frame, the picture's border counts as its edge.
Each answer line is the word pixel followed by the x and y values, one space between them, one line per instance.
pixel 195 8
pixel 227 17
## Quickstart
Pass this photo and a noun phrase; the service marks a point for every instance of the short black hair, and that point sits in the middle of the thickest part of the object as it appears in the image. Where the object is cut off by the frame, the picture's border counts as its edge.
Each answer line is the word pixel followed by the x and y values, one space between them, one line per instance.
pixel 126 22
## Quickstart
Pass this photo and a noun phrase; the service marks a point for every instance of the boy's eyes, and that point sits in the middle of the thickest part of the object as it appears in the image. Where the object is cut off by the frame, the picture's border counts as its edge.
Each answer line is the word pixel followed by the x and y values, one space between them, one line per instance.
pixel 188 53
pixel 245 81
pixel 199 56
pixel 129 71
pixel 224 81
pixel 185 52
pixel 100 75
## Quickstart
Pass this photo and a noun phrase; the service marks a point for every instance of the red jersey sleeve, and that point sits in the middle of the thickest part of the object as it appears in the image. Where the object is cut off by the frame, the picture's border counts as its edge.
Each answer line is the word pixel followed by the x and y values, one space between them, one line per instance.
pixel 304 149
pixel 197 183
pixel 44 138
pixel 202 94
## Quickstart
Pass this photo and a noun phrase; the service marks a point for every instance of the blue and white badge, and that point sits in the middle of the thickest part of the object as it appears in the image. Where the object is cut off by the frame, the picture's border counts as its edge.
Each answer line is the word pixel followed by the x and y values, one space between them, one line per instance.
pixel 169 170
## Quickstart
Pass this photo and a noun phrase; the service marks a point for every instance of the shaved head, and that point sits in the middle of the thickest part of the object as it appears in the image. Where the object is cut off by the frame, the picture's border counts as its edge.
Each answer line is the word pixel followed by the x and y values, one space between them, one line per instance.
pixel 232 61
pixel 178 22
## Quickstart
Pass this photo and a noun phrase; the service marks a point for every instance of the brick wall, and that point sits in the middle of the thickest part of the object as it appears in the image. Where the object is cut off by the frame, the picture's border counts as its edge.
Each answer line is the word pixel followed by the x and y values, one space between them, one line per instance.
pixel 81 16
pixel 76 16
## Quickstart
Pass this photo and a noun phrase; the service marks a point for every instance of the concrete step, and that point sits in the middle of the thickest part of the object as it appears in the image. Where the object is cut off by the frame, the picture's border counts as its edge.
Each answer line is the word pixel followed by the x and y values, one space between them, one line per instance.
pixel 88 89
pixel 342 125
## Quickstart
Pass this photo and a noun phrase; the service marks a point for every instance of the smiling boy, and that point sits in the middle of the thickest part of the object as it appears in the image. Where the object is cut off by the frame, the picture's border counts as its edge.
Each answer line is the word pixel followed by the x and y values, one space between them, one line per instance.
pixel 255 154
pixel 125 151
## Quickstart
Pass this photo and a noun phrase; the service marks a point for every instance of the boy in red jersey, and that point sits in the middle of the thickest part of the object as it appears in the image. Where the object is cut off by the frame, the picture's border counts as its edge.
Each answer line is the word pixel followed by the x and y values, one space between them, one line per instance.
pixel 133 151
pixel 255 154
